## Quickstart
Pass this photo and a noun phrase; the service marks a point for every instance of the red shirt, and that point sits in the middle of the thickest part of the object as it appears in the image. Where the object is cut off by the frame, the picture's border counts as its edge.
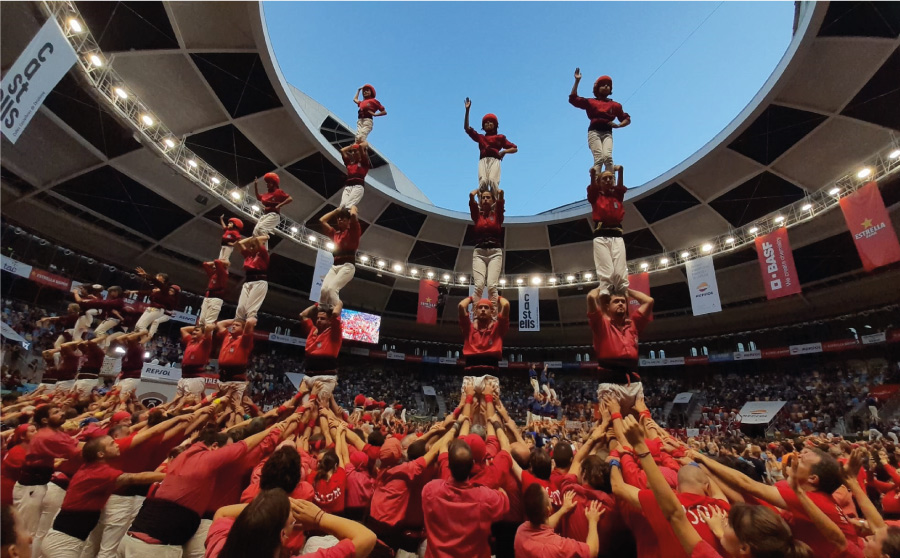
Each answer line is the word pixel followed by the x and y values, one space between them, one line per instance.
pixel 360 487
pixel 508 482
pixel 230 236
pixel 483 342
pixel 490 145
pixel 256 264
pixel 346 243
pixel 133 361
pixel 575 525
pixel 541 542
pixel 233 476
pixel 218 279
pixel 551 489
pixel 368 107
pixel 9 472
pixel 488 230
pixel 804 529
pixel 608 208
pixel 693 504
pixel 67 368
pixel 235 349
pixel 397 499
pixel 601 112
pixel 330 493
pixel 189 477
pixel 47 445
pixel 612 343
pixel 325 344
pixel 703 550
pixel 272 199
pixel 196 354
pixel 91 487
pixel 458 518
pixel 356 172
pixel 93 359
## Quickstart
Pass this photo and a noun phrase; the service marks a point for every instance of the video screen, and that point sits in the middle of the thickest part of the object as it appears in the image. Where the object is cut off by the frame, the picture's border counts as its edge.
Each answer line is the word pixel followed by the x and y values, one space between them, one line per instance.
pixel 359 326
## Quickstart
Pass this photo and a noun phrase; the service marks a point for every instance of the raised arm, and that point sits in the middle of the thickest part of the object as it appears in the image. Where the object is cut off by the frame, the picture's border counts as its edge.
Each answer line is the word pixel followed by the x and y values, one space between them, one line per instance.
pixel 329 230
pixel 504 308
pixel 222 222
pixel 310 517
pixel 463 308
pixel 256 187
pixel 356 97
pixel 824 525
pixel 466 120
pixel 645 301
pixel 739 481
pixel 286 201
pixel 577 80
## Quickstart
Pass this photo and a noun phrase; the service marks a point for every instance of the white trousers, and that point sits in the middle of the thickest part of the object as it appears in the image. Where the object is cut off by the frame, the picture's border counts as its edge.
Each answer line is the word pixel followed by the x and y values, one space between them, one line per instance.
pixel 225 253
pixel 267 224
pixel 352 195
pixel 328 385
pixel 209 311
pixel 626 395
pixel 83 325
pixel 253 293
pixel 335 280
pixel 150 320
pixel 86 386
pixel 50 505
pixel 611 265
pixel 363 129
pixel 115 519
pixel 65 386
pixel 486 266
pixel 196 547
pixel 61 545
pixel 194 386
pixel 105 326
pixel 127 386
pixel 238 394
pixel 489 175
pixel 27 500
pixel 135 548
pixel 479 382
pixel 601 146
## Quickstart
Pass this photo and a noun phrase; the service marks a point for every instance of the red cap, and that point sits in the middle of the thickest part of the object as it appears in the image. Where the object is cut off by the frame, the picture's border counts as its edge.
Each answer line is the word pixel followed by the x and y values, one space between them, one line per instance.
pixel 272 179
pixel 359 459
pixel 367 86
pixel 484 301
pixel 381 404
pixel 391 452
pixel 602 79
pixel 120 416
pixel 238 224
pixel 94 431
pixel 492 118
pixel 360 400
pixel 477 445
pixel 367 417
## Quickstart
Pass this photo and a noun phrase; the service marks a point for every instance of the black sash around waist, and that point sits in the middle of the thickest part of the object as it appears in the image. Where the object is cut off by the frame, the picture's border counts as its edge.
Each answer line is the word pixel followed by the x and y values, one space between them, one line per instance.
pixel 340 258
pixel 482 361
pixel 255 275
pixel 166 521
pixel 607 232
pixel 320 364
pixel 78 524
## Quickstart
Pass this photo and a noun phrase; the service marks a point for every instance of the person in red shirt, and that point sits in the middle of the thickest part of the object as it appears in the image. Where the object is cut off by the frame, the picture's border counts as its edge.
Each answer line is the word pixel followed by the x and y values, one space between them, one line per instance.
pixel 458 514
pixel 231 233
pixel 110 309
pixel 197 341
pixel 256 284
pixel 483 340
pixel 492 148
pixel 356 158
pixel 13 460
pixel 163 299
pixel 88 491
pixel 65 323
pixel 615 338
pixel 217 270
pixel 272 201
pixel 487 259
pixel 603 112
pixel 323 343
pixel 132 363
pixel 369 108
pixel 92 361
pixel 329 481
pixel 66 369
pixel 234 355
pixel 608 209
pixel 345 236
pixel 536 537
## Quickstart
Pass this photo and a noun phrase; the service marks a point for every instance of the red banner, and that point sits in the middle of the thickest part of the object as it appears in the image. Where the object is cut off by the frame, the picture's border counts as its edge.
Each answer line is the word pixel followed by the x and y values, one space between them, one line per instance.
pixel 871 227
pixel 775 353
pixel 776 262
pixel 426 312
pixel 839 345
pixel 638 282
pixel 691 360
pixel 49 279
pixel 884 391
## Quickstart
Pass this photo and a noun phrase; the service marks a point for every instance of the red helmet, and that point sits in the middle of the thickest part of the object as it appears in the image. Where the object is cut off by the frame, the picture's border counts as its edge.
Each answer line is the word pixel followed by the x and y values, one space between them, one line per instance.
pixel 602 79
pixel 492 118
pixel 238 224
pixel 272 179
pixel 369 87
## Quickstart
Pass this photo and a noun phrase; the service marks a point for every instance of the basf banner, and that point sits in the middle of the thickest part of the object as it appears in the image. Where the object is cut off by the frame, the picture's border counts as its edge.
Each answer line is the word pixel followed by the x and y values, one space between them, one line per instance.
pixel 34 74
pixel 776 262
pixel 701 276
pixel 529 309
pixel 871 227
pixel 759 412
pixel 324 261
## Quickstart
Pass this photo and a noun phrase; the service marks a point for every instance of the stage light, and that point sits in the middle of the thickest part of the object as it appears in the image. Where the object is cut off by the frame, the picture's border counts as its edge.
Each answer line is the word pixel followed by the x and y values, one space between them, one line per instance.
pixel 254 207
pixel 192 163
pixel 894 154
pixel 864 172
pixel 806 207
pixel 311 238
pixel 169 142
pixel 75 25
pixel 95 60
pixel 552 280
pixel 398 268
pixel 502 281
pixel 519 281
pixel 834 191
pixel 236 195
pixel 753 230
pixel 462 278
pixel 644 265
pixel 120 93
pixel 685 254
pixel 413 271
pixel 446 277
pixel 381 263
pixel 535 280
pixel 664 261
pixel 364 258
pixel 329 245
pixel 588 276
pixel 146 354
pixel 120 350
pixel 570 278
pixel 295 230
pixel 729 240
pixel 147 120
pixel 706 247
pixel 215 180
pixel 430 275
pixel 779 219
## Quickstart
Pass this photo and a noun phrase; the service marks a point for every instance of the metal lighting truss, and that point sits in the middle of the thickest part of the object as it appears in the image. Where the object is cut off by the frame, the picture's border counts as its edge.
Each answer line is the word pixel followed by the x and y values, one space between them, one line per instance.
pixel 108 86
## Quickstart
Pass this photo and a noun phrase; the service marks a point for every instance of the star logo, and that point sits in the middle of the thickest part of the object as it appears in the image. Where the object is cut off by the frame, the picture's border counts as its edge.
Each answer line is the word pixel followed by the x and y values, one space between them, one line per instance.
pixel 866 224
pixel 427 300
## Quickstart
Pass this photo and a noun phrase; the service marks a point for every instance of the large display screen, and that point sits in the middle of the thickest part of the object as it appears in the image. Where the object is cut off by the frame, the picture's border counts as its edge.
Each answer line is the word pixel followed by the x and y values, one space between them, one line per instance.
pixel 359 326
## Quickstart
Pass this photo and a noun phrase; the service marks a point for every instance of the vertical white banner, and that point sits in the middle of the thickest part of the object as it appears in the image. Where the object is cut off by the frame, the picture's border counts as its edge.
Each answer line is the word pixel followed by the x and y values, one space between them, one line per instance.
pixel 324 261
pixel 35 73
pixel 529 309
pixel 701 276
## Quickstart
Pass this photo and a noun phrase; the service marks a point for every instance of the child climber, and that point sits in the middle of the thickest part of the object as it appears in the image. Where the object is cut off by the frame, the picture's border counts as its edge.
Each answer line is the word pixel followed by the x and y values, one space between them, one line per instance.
pixel 603 113
pixel 493 147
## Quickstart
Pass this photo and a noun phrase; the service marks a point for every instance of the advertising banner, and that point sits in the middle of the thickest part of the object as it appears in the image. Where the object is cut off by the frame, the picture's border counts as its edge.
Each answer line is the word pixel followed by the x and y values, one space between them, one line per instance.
pixel 840 345
pixel 871 227
pixel 747 355
pixel 184 317
pixel 674 361
pixel 776 263
pixel 15 267
pixel 34 74
pixel 447 360
pixel 529 309
pixel 874 338
pixel 683 397
pixel 50 279
pixel 391 355
pixel 287 339
pixel 805 349
pixel 426 312
pixel 701 276
pixel 638 282
pixel 777 352
pixel 324 261
pixel 160 373
pixel 759 412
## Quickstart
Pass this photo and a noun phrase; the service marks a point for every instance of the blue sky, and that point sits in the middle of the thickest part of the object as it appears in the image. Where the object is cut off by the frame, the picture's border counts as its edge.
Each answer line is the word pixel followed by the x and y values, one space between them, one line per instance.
pixel 516 59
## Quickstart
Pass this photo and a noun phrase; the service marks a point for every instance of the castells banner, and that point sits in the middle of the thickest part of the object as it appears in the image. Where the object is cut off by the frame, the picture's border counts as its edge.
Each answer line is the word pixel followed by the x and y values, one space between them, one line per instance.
pixel 871 227
pixel 638 282
pixel 426 312
pixel 776 262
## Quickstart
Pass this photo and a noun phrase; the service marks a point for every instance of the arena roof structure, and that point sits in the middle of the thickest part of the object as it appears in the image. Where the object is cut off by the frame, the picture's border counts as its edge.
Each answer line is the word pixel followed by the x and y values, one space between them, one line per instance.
pixel 91 173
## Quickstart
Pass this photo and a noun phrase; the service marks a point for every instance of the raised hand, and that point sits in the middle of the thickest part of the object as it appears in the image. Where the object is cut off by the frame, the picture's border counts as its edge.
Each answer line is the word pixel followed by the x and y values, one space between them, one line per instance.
pixel 305 513
pixel 716 518
pixel 568 501
pixel 612 404
pixel 468 103
pixel 577 73
pixel 639 404
pixel 634 433
pixel 593 511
